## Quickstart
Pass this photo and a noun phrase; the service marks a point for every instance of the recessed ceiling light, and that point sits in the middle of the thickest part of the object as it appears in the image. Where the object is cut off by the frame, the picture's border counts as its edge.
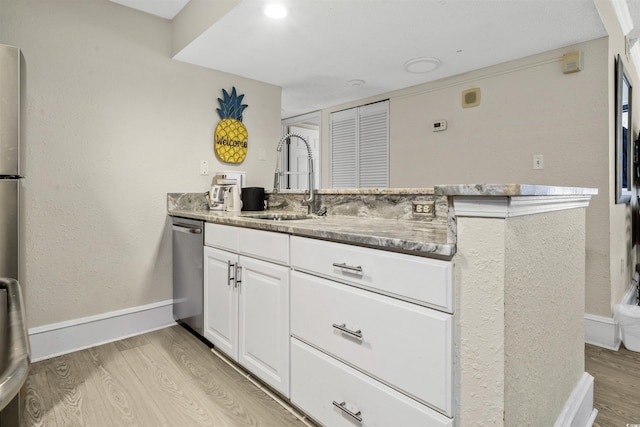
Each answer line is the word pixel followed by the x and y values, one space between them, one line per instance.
pixel 275 11
pixel 356 82
pixel 421 65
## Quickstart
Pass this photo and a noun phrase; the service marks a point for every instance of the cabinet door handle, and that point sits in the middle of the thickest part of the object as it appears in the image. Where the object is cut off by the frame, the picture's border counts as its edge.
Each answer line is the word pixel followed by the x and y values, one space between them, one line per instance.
pixel 355 415
pixel 230 266
pixel 352 268
pixel 343 328
pixel 238 280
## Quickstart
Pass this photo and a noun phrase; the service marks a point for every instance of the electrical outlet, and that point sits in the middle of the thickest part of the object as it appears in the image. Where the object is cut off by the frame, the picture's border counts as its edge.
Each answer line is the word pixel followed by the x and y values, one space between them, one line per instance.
pixel 204 167
pixel 538 161
pixel 424 208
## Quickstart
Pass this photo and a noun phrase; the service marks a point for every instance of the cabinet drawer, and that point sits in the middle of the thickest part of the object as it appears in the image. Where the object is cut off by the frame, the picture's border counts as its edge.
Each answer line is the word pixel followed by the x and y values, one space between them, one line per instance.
pixel 422 280
pixel 265 245
pixel 404 345
pixel 221 236
pixel 318 380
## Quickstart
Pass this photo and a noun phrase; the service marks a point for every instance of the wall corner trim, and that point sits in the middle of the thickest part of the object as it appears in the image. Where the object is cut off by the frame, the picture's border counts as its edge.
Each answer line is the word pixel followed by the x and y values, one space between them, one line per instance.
pixel 578 411
pixel 65 337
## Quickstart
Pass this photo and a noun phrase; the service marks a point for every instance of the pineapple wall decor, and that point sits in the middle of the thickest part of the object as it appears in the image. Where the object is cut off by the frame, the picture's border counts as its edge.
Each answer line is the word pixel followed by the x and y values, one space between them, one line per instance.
pixel 230 137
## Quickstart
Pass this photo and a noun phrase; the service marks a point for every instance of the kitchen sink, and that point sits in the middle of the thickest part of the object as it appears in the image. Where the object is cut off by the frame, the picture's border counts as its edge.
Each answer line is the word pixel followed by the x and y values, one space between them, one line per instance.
pixel 281 216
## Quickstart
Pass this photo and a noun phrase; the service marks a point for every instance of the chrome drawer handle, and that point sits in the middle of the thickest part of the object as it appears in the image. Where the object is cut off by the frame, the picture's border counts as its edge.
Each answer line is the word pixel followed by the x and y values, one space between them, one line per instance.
pixel 356 416
pixel 344 266
pixel 343 328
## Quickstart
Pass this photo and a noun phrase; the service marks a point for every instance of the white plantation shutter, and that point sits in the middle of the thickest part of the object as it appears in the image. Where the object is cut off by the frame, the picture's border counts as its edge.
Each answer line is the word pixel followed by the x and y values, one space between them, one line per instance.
pixel 360 147
pixel 374 145
pixel 344 158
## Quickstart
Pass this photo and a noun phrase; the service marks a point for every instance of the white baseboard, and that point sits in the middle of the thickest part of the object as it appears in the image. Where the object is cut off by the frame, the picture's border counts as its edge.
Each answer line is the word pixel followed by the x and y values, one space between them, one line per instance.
pixel 65 337
pixel 604 331
pixel 601 331
pixel 578 411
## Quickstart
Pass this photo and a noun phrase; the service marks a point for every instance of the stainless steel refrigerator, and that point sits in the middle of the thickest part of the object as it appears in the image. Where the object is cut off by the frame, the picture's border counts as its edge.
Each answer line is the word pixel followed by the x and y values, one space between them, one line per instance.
pixel 10 174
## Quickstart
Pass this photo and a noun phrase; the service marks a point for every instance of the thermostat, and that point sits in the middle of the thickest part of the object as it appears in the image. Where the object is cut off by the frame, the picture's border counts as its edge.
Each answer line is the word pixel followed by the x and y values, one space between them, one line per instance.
pixel 439 125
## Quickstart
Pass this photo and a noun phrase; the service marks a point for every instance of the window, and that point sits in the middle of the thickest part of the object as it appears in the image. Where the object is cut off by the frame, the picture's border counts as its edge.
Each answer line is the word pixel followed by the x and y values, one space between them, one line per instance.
pixel 360 147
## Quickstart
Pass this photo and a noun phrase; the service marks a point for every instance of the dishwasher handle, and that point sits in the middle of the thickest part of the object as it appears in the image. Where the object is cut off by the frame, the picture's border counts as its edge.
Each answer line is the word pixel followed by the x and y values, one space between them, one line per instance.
pixel 181 228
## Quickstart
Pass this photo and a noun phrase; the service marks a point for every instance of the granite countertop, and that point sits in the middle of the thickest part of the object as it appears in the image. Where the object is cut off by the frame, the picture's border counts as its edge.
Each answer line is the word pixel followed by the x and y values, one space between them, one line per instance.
pixel 511 190
pixel 418 238
pixel 378 218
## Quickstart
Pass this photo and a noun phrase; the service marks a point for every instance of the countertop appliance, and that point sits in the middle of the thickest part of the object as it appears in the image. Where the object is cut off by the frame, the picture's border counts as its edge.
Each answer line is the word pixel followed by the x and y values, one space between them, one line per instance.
pixel 253 198
pixel 224 186
pixel 188 279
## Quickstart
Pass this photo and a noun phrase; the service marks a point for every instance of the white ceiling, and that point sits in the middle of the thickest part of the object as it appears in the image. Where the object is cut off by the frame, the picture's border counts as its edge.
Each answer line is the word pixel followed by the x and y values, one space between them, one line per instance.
pixel 323 44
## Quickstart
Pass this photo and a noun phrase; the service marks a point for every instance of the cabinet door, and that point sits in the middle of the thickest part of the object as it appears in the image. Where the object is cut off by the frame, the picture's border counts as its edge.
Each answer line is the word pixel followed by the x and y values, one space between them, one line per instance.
pixel 221 300
pixel 264 322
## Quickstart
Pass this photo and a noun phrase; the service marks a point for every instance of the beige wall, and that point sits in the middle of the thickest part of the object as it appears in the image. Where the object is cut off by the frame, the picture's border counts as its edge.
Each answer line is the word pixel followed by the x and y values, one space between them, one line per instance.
pixel 112 124
pixel 519 289
pixel 544 308
pixel 620 246
pixel 480 322
pixel 527 107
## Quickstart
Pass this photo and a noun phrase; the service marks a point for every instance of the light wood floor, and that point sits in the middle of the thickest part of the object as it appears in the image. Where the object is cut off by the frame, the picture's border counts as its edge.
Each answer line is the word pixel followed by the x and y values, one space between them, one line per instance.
pixel 163 378
pixel 169 378
pixel 617 385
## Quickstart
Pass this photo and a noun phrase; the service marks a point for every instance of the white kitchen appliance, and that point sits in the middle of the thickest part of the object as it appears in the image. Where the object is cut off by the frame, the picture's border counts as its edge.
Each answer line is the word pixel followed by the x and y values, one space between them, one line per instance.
pixel 223 187
pixel 232 200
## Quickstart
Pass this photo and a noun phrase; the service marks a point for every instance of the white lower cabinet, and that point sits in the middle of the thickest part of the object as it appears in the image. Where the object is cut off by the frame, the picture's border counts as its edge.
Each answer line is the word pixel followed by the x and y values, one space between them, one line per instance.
pixel 246 313
pixel 353 336
pixel 337 395
pixel 221 300
pixel 367 346
pixel 403 344
pixel 263 327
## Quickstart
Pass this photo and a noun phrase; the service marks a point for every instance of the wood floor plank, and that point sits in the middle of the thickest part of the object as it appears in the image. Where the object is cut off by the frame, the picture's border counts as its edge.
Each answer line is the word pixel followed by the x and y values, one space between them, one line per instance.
pixel 228 391
pixel 70 392
pixel 37 400
pixel 132 342
pixel 166 385
pixel 617 385
pixel 120 389
pixel 166 378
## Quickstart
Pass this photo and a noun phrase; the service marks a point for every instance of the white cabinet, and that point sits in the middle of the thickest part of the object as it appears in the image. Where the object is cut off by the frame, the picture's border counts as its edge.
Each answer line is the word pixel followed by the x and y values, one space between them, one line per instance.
pixel 263 326
pixel 338 395
pixel 424 281
pixel 403 344
pixel 366 336
pixel 221 300
pixel 361 334
pixel 247 302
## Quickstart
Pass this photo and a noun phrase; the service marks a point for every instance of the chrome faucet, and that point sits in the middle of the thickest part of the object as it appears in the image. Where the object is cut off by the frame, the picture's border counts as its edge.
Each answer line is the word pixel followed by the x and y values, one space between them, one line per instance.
pixel 310 201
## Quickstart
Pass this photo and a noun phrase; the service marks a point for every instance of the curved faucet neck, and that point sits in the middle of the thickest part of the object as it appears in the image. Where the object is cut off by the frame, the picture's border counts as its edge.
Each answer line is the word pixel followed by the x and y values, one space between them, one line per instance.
pixel 310 201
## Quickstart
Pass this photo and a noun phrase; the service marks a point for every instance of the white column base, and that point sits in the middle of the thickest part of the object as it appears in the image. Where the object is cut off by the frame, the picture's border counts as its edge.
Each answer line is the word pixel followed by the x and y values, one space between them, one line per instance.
pixel 578 411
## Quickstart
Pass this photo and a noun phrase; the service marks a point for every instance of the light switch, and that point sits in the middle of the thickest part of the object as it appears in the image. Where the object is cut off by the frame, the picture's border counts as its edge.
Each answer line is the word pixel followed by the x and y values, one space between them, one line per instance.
pixel 538 161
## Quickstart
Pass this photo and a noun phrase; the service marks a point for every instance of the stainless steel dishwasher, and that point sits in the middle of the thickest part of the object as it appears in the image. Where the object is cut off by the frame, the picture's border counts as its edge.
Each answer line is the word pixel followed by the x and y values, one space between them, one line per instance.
pixel 188 286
